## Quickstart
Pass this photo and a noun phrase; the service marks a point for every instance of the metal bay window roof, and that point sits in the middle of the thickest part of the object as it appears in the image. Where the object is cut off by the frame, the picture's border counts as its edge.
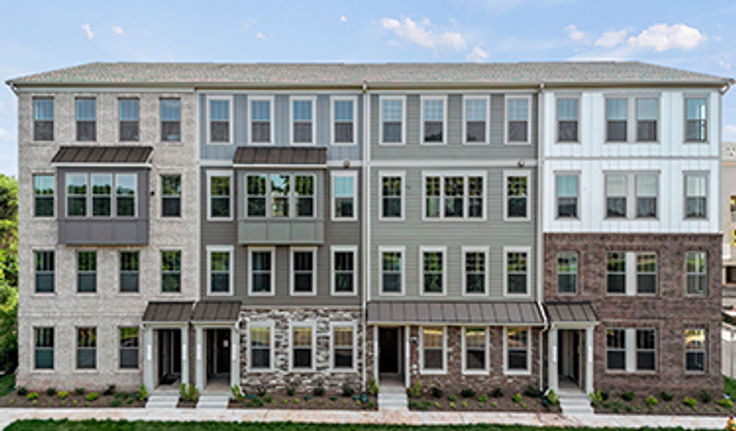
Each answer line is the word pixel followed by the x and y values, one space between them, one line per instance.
pixel 449 312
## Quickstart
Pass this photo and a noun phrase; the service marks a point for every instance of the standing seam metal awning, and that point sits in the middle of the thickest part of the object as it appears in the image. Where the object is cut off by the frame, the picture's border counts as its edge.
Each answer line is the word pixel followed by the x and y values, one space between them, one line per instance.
pixel 103 154
pixel 216 311
pixel 570 312
pixel 486 313
pixel 280 156
pixel 168 312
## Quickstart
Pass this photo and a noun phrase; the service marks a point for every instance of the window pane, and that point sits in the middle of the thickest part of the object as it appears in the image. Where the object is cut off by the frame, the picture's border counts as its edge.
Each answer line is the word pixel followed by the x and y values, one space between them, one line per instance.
pixel 454 197
pixel 86 110
pixel 44 195
pixel 615 195
pixel 567 271
pixel 516 272
pixel 432 271
pixel 567 190
pixel 647 112
pixel 517 196
pixel 280 187
pixel 616 272
pixel 475 110
pixel 170 110
pixel 475 267
pixel 125 190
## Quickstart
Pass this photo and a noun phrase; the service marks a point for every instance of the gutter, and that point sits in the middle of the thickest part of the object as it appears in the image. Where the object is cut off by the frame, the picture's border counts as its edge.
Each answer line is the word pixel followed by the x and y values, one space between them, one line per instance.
pixel 540 232
pixel 364 249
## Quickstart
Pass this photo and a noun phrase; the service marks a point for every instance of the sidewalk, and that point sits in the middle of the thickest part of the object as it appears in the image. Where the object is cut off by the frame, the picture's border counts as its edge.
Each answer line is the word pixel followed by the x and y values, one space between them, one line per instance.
pixel 7 416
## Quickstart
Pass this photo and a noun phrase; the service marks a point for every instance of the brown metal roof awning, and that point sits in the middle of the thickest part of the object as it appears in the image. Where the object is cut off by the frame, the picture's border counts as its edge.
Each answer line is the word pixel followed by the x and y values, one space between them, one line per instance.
pixel 103 154
pixel 485 313
pixel 280 156
pixel 570 312
pixel 168 312
pixel 216 311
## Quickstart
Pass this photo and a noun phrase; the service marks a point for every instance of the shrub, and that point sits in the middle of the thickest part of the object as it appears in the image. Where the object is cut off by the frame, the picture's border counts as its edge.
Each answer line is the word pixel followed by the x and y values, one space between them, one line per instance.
pixel 452 398
pixel 651 401
pixel 297 400
pixel 497 393
pixel 78 391
pixel 32 396
pixel 92 396
pixel 705 397
pixel 596 398
pixel 552 397
pixel 51 391
pixel 690 402
pixel 188 393
pixel 286 401
pixel 35 402
pixel 63 395
pixel 725 402
pixel 532 392
pixel 666 396
pixel 333 398
pixel 604 395
pixel 130 401
pixel 318 392
pixel 452 405
pixel 237 392
pixel 142 393
pixel 467 393
pixel 437 405
pixel 627 396
pixel 436 392
pixel 372 387
pixel 464 404
pixel 255 402
pixel 307 397
pixel 110 390
pixel 268 399
pixel 516 398
pixel 347 391
pixel 494 404
pixel 415 390
pixel 261 390
pixel 22 391
pixel 290 391
pixel 116 402
pixel 483 398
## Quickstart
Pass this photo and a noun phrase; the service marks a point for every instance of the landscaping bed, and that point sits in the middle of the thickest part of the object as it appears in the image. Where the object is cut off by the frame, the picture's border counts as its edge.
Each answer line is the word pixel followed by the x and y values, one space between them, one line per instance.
pixel 319 398
pixel 661 404
pixel 496 400
pixel 51 398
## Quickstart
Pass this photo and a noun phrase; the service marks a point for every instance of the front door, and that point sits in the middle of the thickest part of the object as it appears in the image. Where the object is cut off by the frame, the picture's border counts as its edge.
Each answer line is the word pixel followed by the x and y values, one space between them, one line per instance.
pixel 218 353
pixel 389 352
pixel 569 356
pixel 169 356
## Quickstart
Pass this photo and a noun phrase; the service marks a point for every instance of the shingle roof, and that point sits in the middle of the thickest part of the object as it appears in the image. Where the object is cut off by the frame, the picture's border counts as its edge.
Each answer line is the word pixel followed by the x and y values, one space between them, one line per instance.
pixel 570 312
pixel 102 154
pixel 280 156
pixel 498 313
pixel 336 74
pixel 216 311
pixel 168 312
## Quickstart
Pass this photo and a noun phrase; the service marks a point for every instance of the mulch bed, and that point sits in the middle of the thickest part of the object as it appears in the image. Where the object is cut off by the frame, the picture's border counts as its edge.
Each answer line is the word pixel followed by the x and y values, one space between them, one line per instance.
pixel 186 404
pixel 304 401
pixel 637 406
pixel 493 404
pixel 119 400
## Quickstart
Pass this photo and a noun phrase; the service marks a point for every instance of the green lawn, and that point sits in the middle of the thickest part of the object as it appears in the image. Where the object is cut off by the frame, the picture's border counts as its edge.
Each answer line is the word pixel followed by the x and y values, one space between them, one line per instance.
pixel 36 425
pixel 7 384
pixel 730 387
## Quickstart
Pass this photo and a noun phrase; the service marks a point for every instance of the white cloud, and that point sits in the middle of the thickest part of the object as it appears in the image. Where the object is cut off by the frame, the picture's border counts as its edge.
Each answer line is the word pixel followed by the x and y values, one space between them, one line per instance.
pixel 576 35
pixel 729 132
pixel 343 18
pixel 88 30
pixel 117 29
pixel 245 25
pixel 477 54
pixel 5 135
pixel 612 38
pixel 260 35
pixel 423 34
pixel 724 64
pixel 663 37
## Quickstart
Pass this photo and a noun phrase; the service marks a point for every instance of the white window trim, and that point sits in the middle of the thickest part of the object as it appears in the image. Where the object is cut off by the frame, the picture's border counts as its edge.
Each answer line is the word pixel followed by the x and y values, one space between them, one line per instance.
pixel 422 99
pixel 54 196
pixel 685 175
pixel 517 173
pixel 231 139
pixel 258 98
pixel 466 195
pixel 354 176
pixel 564 96
pixel 35 291
pixel 704 350
pixel 33 368
pixel 517 249
pixel 354 100
pixel 220 248
pixel 260 324
pixel 685 98
pixel 636 349
pixel 77 272
pixel 292 196
pixel 119 349
pixel 272 251
pixel 402 99
pixel 343 248
pixel 399 249
pixel 313 100
pixel 218 173
pixel 315 264
pixel 487 99
pixel 529 341
pixel 115 195
pixel 486 368
pixel 625 350
pixel 707 288
pixel 428 248
pixel 486 276
pixel 331 368
pixel 305 324
pixel 422 370
pixel 76 350
pixel 528 120
pixel 578 208
pixel 381 176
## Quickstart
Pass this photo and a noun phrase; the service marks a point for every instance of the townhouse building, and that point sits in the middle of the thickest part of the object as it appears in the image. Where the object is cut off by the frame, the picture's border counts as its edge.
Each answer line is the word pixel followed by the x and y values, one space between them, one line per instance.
pixel 321 225
pixel 728 222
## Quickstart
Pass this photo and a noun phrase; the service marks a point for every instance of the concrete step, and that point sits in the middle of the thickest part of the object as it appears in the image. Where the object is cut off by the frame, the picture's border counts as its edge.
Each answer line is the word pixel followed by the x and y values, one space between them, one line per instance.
pixel 162 400
pixel 393 399
pixel 219 402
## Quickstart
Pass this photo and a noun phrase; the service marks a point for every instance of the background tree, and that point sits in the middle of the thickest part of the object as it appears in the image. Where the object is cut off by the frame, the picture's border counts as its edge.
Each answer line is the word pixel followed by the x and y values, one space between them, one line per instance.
pixel 8 272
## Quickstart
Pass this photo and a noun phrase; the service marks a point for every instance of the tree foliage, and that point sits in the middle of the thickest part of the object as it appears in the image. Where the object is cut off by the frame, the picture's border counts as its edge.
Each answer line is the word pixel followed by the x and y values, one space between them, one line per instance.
pixel 8 272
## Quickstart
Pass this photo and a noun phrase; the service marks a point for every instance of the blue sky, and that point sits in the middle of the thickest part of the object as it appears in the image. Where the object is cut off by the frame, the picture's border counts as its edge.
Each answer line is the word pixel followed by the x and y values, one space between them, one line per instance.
pixel 41 35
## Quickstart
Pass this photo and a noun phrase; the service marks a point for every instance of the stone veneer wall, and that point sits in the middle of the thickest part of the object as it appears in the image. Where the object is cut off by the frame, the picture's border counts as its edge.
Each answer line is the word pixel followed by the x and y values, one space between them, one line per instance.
pixel 281 378
pixel 669 311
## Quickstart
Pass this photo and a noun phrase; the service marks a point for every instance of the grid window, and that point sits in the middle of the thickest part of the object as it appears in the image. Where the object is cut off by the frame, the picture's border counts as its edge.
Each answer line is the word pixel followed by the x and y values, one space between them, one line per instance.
pixel 129 348
pixel 432 272
pixel 342 347
pixel 219 120
pixel 567 119
pixel 517 343
pixel 87 271
pixel 129 271
pixel 344 196
pixel 696 123
pixel 695 196
pixel 615 196
pixel 567 196
pixel 344 116
pixel 646 273
pixel 171 271
pixel 616 272
pixel 86 348
pixel 391 196
pixel 43 119
pixel 256 200
pixel 517 196
pixel 128 109
pixel 170 120
pixel 101 195
pixel 433 119
pixel 261 271
pixel 391 271
pixel 646 350
pixel 302 121
pixel 43 195
pixel 517 124
pixel 646 196
pixel 125 195
pixel 616 349
pixel 476 120
pixel 76 195
pixel 695 352
pixel 392 114
pixel 219 271
pixel 616 119
pixel 301 346
pixel 304 195
pixel 260 347
pixel 171 195
pixel 273 195
pixel 303 271
pixel 516 272
pixel 219 196
pixel 695 266
pixel 44 271
pixel 567 272
pixel 280 191
pixel 433 352
pixel 475 272
pixel 647 112
pixel 86 119
pixel 43 348
pixel 454 196
pixel 475 349
pixel 260 121
pixel 344 271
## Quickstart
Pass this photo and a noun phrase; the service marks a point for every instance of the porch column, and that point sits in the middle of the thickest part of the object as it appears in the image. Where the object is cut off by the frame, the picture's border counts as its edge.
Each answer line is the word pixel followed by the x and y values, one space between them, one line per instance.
pixel 552 360
pixel 198 361
pixel 407 356
pixel 185 354
pixel 589 360
pixel 235 356
pixel 148 379
pixel 375 354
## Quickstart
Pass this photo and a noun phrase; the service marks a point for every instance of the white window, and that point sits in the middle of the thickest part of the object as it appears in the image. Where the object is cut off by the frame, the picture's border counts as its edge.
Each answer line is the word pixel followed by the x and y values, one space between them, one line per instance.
pixel 646 273
pixel 517 346
pixel 631 273
pixel 392 120
pixel 475 350
pixel 125 196
pixel 475 119
pixel 220 269
pixel 279 195
pixel 344 124
pixel 567 272
pixel 615 349
pixel 261 340
pixel 219 120
pixel 303 270
pixel 101 195
pixel 342 346
pixel 302 341
pixel 518 126
pixel 432 270
pixel 696 273
pixel 695 351
pixel 433 342
pixel 260 117
pixel 76 195
pixel 631 195
pixel 567 119
pixel 646 350
pixel 696 195
pixel 696 119
pixel 344 260
pixel 434 130
pixel 302 120
pixel 567 195
pixel 516 266
pixel 450 196
pixel 391 205
pixel 344 192
pixel 647 114
pixel 617 114
pixel 392 270
pixel 219 193
pixel 475 270
pixel 261 276
pixel 129 125
pixel 631 350
pixel 517 189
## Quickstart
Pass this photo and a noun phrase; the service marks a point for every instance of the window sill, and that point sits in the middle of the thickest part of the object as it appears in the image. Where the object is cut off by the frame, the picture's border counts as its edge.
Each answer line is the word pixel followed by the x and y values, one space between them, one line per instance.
pixel 261 294
pixel 260 370
pixel 475 372
pixel 43 294
pixel 307 294
pixel 394 294
pixel 517 372
pixel 567 143
pixel 391 144
pixel 342 370
pixel 476 144
pixel 344 144
pixel 302 370
pixel 514 144
pixel 344 294
pixel 391 219
pixel 433 372
pixel 517 219
pixel 220 144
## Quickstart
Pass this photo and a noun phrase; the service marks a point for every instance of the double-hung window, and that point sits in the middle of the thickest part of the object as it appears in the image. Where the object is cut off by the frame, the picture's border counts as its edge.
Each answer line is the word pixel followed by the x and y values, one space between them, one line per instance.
pixel 170 271
pixel 343 346
pixel 567 195
pixel 43 195
pixel 344 130
pixel 280 195
pixel 646 350
pixel 696 123
pixel 433 119
pixel 170 111
pixel 617 114
pixel 567 119
pixel 44 271
pixel 433 349
pixel 43 348
pixel 567 272
pixel 616 272
pixel 43 119
pixel 302 346
pixel 392 200
pixel 261 346
pixel 475 270
pixel 516 270
pixel 87 272
pixel 392 119
pixel 647 114
pixel 170 195
pixel 129 347
pixel 125 195
pixel 696 273
pixel 219 128
pixel 76 195
pixel 86 119
pixel 261 113
pixel 432 275
pixel 280 186
pixel 302 120
pixel 392 267
pixel 475 342
pixel 344 260
pixel 631 273
pixel 129 271
pixel 255 188
pixel 695 352
pixel 128 111
pixel 475 126
pixel 517 120
pixel 517 350
pixel 631 195
pixel 615 349
pixel 615 196
pixel 344 191
pixel 303 271
pixel 304 191
pixel 696 195
pixel 261 267
pixel 101 195
pixel 450 196
pixel 219 197
pixel 219 270
pixel 646 273
pixel 517 196
pixel 86 348
pixel 646 195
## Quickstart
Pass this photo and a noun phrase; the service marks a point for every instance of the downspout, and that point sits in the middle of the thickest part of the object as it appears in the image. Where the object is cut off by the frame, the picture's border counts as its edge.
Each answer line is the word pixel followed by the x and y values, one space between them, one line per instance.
pixel 364 237
pixel 540 234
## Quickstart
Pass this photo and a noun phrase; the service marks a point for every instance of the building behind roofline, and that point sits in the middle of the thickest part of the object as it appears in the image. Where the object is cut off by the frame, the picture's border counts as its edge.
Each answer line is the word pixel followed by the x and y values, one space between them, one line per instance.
pixel 322 225
pixel 728 222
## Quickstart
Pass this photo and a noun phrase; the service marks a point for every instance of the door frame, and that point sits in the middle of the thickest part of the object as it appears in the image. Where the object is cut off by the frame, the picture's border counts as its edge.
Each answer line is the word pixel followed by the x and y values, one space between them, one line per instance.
pixel 201 346
pixel 151 352
pixel 567 359
pixel 402 354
